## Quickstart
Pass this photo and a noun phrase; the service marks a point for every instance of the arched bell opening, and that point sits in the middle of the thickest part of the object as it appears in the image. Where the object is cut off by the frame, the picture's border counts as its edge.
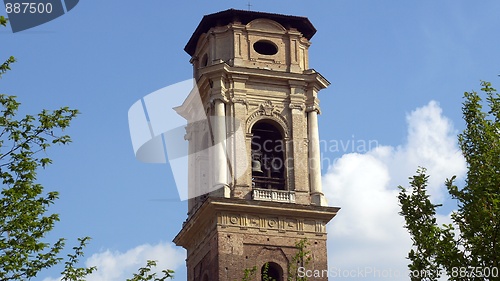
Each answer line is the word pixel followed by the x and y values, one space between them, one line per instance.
pixel 271 271
pixel 268 156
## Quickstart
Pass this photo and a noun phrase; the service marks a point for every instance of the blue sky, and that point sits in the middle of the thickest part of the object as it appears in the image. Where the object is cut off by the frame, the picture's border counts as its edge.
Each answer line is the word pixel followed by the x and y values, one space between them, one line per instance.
pixel 398 71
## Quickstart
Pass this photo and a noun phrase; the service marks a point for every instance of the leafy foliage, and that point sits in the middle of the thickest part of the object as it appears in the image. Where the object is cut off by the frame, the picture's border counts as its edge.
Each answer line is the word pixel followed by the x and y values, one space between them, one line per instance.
pixel 301 259
pixel 144 273
pixel 24 221
pixel 468 248
pixel 265 273
pixel 3 21
pixel 71 271
pixel 6 65
pixel 23 203
pixel 249 273
pixel 428 238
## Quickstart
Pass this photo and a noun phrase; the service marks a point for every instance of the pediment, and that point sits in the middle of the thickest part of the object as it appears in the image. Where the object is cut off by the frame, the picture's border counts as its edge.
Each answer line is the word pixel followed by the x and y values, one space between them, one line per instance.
pixel 265 25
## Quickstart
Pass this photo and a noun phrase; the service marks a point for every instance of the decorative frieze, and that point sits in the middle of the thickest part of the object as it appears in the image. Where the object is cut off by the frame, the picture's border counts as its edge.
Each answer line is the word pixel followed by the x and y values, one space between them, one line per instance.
pixel 271 223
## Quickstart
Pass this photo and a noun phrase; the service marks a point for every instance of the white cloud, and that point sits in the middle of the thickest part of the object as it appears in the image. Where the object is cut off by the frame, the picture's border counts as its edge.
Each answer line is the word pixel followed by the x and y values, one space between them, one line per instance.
pixel 118 266
pixel 367 236
pixel 368 233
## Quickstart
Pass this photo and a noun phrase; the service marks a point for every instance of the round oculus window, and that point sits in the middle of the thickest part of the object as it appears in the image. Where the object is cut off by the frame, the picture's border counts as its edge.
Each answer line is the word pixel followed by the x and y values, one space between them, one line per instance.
pixel 265 47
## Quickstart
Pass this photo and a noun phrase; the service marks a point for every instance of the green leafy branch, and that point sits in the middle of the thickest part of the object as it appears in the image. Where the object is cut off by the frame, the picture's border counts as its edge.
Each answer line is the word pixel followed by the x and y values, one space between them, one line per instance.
pixel 301 259
pixel 71 271
pixel 6 65
pixel 144 273
pixel 3 21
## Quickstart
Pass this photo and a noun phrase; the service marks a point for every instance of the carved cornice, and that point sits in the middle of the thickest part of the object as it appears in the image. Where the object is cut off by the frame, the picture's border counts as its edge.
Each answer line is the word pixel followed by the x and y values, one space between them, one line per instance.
pixel 189 132
pixel 198 126
pixel 220 97
pixel 241 99
pixel 298 106
pixel 253 215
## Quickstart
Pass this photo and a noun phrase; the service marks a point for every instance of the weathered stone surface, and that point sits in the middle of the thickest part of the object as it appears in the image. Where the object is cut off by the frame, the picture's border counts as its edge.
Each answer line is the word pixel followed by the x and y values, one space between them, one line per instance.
pixel 253 67
pixel 226 236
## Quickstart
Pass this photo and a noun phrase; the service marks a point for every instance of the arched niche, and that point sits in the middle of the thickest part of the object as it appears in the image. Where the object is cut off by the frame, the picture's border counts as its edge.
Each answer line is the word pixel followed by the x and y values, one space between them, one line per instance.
pixel 271 271
pixel 268 155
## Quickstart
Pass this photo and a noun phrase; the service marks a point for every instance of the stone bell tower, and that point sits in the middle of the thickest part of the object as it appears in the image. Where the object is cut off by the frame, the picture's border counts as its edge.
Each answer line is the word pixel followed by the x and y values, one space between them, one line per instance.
pixel 254 164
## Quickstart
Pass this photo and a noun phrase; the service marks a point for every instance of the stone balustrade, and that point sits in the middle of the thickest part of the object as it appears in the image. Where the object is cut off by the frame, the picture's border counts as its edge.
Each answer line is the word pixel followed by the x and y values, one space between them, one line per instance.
pixel 273 195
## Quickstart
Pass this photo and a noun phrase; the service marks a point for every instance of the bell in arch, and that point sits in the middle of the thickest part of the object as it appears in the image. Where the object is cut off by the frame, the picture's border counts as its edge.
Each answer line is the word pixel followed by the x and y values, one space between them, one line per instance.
pixel 276 165
pixel 256 166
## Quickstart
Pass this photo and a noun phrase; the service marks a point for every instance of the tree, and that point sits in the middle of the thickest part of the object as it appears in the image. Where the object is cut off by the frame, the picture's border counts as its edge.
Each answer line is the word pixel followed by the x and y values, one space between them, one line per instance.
pixel 24 221
pixel 468 248
pixel 144 273
pixel 301 259
pixel 71 272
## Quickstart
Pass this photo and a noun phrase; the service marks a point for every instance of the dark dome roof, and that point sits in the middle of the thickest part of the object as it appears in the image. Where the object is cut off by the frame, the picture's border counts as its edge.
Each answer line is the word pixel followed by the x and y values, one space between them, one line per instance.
pixel 302 24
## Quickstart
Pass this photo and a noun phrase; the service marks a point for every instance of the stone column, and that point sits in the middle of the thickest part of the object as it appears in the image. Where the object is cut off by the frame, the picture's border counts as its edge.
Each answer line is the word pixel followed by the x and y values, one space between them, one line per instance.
pixel 192 188
pixel 240 148
pixel 317 196
pixel 297 155
pixel 219 152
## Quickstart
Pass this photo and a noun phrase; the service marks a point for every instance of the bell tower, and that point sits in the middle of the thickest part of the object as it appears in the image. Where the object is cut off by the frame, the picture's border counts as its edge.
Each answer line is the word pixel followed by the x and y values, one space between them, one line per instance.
pixel 254 158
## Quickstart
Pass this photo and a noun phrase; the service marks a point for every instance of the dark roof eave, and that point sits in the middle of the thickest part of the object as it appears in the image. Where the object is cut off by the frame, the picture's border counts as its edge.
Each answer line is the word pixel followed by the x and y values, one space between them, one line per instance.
pixel 225 17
